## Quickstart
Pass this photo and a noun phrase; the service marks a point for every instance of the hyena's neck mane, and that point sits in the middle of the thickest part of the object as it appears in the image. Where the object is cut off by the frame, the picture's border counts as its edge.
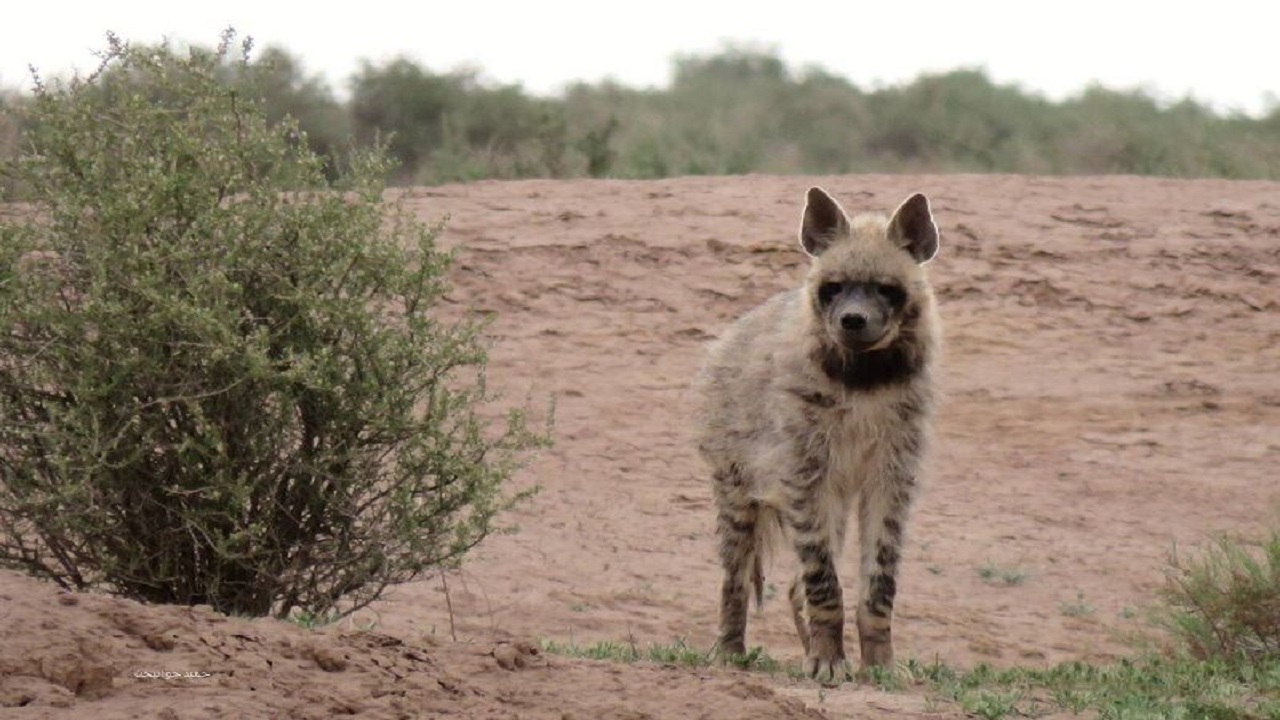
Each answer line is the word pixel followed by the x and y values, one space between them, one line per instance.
pixel 905 360
pixel 895 365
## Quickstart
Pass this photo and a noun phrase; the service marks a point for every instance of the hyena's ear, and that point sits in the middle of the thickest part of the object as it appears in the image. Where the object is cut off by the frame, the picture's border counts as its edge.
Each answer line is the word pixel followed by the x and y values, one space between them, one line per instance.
pixel 824 220
pixel 912 228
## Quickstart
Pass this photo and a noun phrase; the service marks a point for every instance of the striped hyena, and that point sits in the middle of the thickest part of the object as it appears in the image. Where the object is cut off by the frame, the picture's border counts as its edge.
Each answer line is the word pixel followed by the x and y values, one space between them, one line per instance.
pixel 815 404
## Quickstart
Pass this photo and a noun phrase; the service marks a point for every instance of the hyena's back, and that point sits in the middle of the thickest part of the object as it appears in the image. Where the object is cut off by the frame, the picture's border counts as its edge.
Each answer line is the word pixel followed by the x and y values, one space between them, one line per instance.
pixel 815 406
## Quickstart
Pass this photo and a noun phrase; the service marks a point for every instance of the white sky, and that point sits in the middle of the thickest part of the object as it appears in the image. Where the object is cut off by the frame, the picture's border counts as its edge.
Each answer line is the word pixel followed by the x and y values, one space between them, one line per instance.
pixel 1225 53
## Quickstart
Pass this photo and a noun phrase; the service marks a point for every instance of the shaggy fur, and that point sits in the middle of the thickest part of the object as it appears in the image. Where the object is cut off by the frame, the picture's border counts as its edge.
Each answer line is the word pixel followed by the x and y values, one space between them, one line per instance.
pixel 816 406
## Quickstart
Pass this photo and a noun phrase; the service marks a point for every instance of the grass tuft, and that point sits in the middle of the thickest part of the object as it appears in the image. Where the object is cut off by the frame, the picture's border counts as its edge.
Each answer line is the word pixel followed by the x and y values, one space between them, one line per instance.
pixel 312 620
pixel 1006 576
pixel 1078 608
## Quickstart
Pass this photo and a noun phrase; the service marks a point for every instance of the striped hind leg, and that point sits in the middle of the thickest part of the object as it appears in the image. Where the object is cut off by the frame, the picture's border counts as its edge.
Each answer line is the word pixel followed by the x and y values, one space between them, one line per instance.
pixel 737 520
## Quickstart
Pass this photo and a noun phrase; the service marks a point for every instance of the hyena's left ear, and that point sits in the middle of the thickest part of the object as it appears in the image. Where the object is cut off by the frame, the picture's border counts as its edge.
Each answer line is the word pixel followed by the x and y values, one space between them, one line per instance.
pixel 913 229
pixel 824 220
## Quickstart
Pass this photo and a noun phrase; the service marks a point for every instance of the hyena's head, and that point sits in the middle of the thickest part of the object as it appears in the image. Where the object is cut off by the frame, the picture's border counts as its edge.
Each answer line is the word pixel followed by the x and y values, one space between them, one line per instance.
pixel 866 285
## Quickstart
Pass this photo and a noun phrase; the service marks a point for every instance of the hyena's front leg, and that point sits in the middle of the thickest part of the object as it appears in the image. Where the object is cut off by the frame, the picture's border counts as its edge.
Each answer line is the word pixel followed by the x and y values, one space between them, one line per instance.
pixel 882 515
pixel 736 521
pixel 818 546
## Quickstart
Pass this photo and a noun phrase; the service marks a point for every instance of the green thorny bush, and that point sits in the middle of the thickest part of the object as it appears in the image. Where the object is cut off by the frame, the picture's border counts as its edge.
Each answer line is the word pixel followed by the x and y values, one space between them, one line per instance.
pixel 1225 603
pixel 224 378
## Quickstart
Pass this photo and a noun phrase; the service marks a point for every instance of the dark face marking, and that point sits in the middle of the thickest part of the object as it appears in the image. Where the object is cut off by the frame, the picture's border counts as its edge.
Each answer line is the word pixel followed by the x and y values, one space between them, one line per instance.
pixel 890 295
pixel 882 305
pixel 827 292
pixel 858 313
pixel 893 294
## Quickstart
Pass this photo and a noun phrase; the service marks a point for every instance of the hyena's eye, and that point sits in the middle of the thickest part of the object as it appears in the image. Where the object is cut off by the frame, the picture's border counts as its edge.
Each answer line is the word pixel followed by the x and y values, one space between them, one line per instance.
pixel 828 291
pixel 893 294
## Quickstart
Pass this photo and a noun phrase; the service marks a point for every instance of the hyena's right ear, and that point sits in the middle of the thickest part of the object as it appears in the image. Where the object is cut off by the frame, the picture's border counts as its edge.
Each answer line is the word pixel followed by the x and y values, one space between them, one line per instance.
pixel 912 228
pixel 824 220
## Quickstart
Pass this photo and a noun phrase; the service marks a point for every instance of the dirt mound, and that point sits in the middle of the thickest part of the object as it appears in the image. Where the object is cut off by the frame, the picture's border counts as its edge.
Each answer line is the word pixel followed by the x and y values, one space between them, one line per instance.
pixel 1111 390
pixel 85 655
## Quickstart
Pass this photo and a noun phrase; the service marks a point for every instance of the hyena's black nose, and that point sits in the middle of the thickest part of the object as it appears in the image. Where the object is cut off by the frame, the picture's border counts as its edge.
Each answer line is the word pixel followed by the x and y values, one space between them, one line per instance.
pixel 853 321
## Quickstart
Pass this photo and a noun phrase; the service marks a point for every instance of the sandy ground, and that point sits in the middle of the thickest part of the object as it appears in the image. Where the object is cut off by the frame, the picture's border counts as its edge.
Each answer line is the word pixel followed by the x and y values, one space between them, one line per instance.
pixel 1111 393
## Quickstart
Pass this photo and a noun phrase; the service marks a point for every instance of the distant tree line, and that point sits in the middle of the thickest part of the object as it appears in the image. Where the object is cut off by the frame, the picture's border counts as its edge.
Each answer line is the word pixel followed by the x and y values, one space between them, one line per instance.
pixel 741 111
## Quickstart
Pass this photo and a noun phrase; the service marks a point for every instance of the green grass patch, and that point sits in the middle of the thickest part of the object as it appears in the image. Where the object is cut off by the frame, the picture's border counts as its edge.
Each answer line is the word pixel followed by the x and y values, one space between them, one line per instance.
pixel 313 620
pixel 679 652
pixel 1078 608
pixel 1182 688
pixel 1001 575
pixel 675 653
pixel 1143 688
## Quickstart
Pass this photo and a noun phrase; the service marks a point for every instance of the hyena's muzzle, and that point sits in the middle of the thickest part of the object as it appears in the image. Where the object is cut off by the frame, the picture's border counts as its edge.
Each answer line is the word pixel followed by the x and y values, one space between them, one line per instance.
pixel 860 316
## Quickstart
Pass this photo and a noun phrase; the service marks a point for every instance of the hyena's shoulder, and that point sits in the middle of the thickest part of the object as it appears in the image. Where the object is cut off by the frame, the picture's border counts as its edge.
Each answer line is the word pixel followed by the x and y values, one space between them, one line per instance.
pixel 758 332
pixel 744 381
pixel 762 351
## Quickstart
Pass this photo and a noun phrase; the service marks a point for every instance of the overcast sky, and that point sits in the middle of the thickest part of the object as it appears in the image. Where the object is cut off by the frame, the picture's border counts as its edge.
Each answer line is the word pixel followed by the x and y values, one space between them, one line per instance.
pixel 1225 53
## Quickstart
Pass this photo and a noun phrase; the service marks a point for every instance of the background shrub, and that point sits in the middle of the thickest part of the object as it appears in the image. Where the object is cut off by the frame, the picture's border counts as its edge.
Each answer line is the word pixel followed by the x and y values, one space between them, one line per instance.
pixel 287 92
pixel 224 378
pixel 743 110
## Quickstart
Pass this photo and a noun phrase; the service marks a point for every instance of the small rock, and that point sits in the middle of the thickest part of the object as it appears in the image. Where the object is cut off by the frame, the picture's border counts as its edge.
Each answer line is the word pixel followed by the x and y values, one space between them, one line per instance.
pixel 328 659
pixel 514 655
pixel 159 641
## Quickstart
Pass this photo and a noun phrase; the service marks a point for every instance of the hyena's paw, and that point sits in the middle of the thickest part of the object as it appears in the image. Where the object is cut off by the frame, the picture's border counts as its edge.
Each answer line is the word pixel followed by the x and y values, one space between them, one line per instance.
pixel 877 656
pixel 876 643
pixel 826 662
pixel 828 671
pixel 730 653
